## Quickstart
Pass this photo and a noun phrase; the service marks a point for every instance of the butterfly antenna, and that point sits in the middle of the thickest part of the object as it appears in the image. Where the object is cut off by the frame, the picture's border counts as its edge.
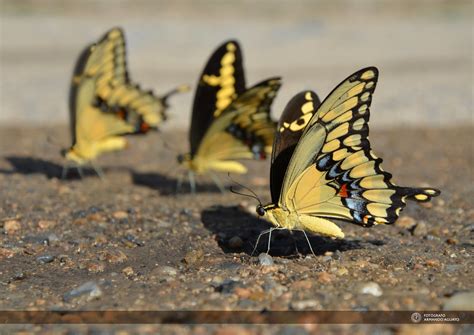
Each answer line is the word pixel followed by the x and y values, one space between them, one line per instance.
pixel 180 89
pixel 167 145
pixel 253 195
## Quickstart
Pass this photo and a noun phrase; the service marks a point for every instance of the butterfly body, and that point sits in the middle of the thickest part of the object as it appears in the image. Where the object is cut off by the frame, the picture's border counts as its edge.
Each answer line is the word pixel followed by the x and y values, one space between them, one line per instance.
pixel 323 167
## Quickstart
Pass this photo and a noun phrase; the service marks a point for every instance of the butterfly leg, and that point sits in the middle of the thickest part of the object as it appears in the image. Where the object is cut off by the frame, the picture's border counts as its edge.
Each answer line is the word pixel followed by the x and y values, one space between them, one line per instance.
pixel 258 240
pixel 179 183
pixel 65 170
pixel 192 182
pixel 307 240
pixel 218 182
pixel 79 170
pixel 99 171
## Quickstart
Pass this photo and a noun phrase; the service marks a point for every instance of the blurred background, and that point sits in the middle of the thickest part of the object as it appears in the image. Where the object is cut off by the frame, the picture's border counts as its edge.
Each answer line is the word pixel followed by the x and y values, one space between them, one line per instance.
pixel 424 50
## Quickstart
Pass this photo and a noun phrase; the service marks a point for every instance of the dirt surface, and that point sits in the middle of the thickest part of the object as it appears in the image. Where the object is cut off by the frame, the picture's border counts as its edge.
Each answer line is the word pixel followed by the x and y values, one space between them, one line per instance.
pixel 143 247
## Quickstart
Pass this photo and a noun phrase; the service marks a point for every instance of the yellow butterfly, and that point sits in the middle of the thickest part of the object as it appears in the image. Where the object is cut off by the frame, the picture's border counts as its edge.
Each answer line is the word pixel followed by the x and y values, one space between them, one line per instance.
pixel 229 122
pixel 104 105
pixel 323 167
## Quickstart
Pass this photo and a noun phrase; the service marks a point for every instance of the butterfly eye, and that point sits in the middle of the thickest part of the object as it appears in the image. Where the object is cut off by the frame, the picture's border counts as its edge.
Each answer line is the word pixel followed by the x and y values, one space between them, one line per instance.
pixel 260 210
pixel 180 158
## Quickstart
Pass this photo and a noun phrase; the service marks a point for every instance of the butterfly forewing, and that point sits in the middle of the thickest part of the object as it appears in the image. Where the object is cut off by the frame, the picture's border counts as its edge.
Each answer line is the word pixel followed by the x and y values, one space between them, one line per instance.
pixel 333 172
pixel 293 121
pixel 219 84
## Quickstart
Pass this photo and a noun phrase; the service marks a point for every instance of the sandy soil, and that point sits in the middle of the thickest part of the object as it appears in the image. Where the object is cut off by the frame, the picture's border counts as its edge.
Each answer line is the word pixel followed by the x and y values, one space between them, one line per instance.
pixel 144 247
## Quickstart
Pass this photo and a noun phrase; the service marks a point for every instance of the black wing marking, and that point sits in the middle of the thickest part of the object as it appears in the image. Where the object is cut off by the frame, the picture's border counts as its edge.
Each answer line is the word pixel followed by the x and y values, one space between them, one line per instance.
pixel 223 77
pixel 293 121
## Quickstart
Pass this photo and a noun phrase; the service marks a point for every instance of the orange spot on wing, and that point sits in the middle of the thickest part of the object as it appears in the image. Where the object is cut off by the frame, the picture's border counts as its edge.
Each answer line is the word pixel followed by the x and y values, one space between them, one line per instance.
pixel 144 127
pixel 121 114
pixel 343 191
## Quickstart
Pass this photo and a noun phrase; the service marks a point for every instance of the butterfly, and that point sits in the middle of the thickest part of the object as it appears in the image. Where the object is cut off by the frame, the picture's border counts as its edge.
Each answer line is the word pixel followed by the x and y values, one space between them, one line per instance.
pixel 229 121
pixel 104 104
pixel 323 168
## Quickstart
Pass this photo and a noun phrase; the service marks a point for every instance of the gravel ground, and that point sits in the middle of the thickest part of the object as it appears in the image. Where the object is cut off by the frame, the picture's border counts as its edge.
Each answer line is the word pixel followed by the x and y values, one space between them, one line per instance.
pixel 139 246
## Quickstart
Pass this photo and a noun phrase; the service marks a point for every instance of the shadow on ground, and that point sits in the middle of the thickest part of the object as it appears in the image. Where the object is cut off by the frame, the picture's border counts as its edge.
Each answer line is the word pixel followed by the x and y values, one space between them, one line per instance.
pixel 167 185
pixel 31 165
pixel 227 222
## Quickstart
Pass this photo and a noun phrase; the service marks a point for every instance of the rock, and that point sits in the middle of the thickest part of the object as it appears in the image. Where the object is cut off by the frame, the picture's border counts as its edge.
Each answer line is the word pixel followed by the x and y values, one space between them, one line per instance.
pixel 120 215
pixel 43 259
pixel 168 270
pixel 342 271
pixel 6 253
pixel 11 227
pixel 265 259
pixel 326 258
pixel 302 285
pixel 325 278
pixel 433 263
pixel 95 267
pixel 46 224
pixel 453 267
pixel 235 242
pixel 113 256
pixel 371 288
pixel 228 286
pixel 405 222
pixel 463 301
pixel 90 290
pixel 193 256
pixel 273 288
pixel 242 292
pixel 305 304
pixel 128 271
pixel 163 273
pixel 19 276
pixel 134 240
pixel 421 229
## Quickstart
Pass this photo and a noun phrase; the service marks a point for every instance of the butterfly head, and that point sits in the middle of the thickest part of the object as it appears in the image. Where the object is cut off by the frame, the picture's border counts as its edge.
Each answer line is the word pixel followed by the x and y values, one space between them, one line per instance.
pixel 260 210
pixel 184 159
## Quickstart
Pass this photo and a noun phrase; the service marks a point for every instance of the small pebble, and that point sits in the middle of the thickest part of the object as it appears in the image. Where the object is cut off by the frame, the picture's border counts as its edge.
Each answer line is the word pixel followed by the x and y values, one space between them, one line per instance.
pixel 193 256
pixel 421 229
pixel 463 301
pixel 265 259
pixel 371 288
pixel 305 304
pixel 113 256
pixel 46 224
pixel 168 270
pixel 128 271
pixel 405 222
pixel 235 242
pixel 19 276
pixel 11 227
pixel 43 259
pixel 325 278
pixel 89 289
pixel 95 267
pixel 326 258
pixel 228 286
pixel 120 215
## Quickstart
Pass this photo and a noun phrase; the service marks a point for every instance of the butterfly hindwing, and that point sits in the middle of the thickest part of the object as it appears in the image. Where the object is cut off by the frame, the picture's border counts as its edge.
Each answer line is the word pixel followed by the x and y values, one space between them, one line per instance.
pixel 244 130
pixel 220 83
pixel 333 172
pixel 293 121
